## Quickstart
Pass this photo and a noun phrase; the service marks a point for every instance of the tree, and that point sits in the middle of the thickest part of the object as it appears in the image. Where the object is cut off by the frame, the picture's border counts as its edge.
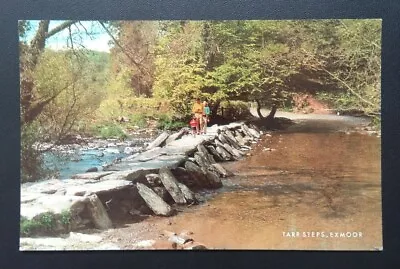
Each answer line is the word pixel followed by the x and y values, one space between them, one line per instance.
pixel 133 51
pixel 55 92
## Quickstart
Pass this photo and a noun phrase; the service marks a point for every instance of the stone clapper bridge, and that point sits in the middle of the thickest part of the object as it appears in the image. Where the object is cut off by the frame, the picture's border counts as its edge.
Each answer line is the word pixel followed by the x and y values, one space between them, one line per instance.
pixel 171 171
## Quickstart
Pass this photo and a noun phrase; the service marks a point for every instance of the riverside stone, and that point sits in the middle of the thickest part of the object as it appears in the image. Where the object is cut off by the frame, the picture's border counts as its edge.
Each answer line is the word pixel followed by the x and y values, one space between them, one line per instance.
pixel 254 133
pixel 158 141
pixel 163 193
pixel 237 153
pixel 154 180
pixel 98 187
pixel 155 203
pixel 213 179
pixel 206 154
pixel 183 176
pixel 225 155
pixel 177 135
pixel 197 173
pixel 98 213
pixel 130 175
pixel 52 203
pixel 189 195
pixel 171 184
pixel 91 175
pixel 214 153
pixel 221 170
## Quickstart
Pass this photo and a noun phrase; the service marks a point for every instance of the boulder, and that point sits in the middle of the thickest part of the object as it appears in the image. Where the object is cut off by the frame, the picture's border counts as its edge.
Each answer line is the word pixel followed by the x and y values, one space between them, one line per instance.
pixel 236 155
pixel 98 187
pixel 221 170
pixel 231 141
pixel 213 179
pixel 112 150
pixel 154 180
pixel 189 195
pixel 155 203
pixel 196 172
pixel 191 245
pixel 129 150
pixel 158 141
pixel 206 154
pixel 222 138
pixel 164 194
pixel 235 152
pixel 93 169
pixel 201 160
pixel 183 176
pixel 171 184
pixel 130 175
pixel 53 203
pixel 215 154
pixel 248 131
pixel 177 135
pixel 225 155
pixel 254 133
pixel 98 213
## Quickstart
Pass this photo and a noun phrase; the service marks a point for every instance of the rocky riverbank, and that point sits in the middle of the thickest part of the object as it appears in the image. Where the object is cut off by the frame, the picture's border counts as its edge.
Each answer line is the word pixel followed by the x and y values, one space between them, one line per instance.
pixel 172 172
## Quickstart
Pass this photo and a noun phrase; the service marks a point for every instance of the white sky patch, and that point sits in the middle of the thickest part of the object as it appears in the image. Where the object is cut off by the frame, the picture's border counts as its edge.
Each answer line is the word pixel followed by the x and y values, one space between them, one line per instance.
pixel 87 34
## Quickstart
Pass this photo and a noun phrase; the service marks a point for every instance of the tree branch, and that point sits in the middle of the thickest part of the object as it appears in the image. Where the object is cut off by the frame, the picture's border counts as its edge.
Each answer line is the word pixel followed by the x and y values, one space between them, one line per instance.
pixel 59 28
pixel 143 70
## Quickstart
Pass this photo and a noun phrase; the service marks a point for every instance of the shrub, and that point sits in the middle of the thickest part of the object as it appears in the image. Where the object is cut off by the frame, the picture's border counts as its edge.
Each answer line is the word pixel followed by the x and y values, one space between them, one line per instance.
pixel 166 122
pixel 45 224
pixel 235 110
pixel 32 163
pixel 138 119
pixel 109 131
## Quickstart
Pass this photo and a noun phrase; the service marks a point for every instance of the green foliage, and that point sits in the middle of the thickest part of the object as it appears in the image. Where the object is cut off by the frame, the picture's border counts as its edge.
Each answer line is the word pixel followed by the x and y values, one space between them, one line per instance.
pixel 65 217
pixel 235 110
pixel 71 83
pixel 110 130
pixel 166 122
pixel 176 61
pixel 43 224
pixel 32 164
pixel 139 120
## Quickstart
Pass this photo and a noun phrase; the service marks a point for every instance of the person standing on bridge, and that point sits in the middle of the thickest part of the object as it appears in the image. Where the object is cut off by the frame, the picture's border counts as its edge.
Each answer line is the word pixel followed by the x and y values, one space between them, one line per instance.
pixel 198 109
pixel 206 115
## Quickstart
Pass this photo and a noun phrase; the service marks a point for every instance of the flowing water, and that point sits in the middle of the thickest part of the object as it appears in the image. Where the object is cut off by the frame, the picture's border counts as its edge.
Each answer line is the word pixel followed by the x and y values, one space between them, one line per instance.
pixel 312 187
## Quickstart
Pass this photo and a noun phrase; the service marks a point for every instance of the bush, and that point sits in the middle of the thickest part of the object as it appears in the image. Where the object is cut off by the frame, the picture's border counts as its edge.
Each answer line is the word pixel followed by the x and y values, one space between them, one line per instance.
pixel 45 224
pixel 166 122
pixel 138 119
pixel 235 110
pixel 109 131
pixel 32 163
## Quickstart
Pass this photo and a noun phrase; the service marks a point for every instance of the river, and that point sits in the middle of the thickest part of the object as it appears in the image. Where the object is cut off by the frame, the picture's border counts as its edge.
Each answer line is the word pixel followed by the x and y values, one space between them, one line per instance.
pixel 314 186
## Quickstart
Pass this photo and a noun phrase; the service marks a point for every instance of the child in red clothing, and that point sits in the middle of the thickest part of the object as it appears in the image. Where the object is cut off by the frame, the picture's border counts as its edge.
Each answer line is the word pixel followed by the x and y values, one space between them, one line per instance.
pixel 194 125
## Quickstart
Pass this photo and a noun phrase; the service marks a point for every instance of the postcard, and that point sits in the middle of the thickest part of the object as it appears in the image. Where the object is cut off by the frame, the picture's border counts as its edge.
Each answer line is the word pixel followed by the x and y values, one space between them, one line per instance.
pixel 200 135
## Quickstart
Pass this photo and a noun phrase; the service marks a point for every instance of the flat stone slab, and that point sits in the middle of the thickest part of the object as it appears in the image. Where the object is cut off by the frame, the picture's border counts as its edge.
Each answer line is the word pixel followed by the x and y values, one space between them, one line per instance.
pixel 51 203
pixel 171 184
pixel 151 166
pixel 130 175
pixel 91 175
pixel 98 187
pixel 155 203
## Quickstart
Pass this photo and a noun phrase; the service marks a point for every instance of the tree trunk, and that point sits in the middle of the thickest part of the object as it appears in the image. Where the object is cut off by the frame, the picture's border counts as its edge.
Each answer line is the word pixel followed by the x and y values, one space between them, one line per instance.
pixel 30 110
pixel 214 108
pixel 272 113
pixel 259 109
